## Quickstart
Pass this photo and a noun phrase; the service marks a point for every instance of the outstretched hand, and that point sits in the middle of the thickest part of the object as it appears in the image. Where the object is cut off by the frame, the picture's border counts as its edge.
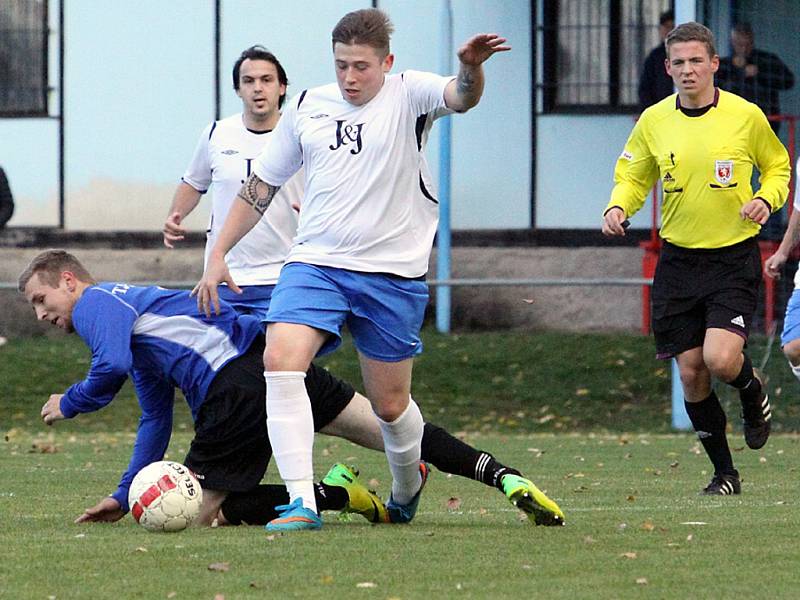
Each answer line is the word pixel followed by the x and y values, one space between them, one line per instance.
pixel 479 48
pixel 108 510
pixel 206 289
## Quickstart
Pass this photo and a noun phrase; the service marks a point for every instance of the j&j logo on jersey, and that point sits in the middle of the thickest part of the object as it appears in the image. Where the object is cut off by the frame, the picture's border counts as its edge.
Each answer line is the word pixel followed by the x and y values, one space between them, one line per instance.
pixel 723 171
pixel 348 134
pixel 626 155
pixel 230 152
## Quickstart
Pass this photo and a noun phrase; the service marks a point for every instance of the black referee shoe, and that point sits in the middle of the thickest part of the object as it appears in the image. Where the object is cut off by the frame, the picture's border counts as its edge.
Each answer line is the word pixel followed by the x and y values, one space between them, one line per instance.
pixel 723 484
pixel 756 418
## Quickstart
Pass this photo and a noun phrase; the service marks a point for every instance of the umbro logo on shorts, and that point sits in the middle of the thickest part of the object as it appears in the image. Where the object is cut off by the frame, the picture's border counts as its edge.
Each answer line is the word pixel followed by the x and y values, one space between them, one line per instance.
pixel 319 116
pixel 229 152
pixel 703 434
pixel 738 321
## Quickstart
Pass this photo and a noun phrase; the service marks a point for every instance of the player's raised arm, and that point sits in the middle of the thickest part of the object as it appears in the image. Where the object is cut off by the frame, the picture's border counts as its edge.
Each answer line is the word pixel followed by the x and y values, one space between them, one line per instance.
pixel 184 202
pixel 253 200
pixel 466 89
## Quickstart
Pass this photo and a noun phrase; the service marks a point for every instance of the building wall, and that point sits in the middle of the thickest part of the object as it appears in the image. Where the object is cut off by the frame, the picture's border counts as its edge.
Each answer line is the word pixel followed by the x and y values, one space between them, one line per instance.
pixel 139 89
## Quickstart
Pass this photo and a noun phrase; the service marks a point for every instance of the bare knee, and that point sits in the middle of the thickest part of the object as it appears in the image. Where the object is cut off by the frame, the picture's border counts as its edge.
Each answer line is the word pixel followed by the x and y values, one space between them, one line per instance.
pixel 390 406
pixel 724 363
pixel 792 352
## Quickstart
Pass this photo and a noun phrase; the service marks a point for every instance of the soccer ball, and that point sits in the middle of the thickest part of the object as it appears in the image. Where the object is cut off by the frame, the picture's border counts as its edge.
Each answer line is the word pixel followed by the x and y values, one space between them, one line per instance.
pixel 165 496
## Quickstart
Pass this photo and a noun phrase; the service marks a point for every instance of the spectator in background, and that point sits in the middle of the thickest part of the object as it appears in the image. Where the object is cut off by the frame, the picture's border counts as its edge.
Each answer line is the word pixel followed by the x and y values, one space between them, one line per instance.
pixel 655 84
pixel 6 200
pixel 753 74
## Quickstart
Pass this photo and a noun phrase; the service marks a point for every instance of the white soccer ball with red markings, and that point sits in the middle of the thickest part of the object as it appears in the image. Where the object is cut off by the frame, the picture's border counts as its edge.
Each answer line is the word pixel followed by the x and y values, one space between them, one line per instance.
pixel 165 496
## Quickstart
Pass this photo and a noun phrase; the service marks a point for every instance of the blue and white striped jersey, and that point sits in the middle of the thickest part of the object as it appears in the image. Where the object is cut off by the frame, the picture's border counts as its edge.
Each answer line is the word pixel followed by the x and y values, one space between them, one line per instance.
pixel 158 338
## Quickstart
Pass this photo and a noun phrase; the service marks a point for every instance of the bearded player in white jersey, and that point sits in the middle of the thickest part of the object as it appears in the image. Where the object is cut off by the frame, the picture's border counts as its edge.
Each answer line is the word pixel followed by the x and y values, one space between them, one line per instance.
pixel 222 160
pixel 361 252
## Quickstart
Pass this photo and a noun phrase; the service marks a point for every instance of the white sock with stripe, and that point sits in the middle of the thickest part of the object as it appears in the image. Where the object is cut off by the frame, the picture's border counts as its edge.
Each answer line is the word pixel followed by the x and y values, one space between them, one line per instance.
pixel 402 439
pixel 795 370
pixel 290 424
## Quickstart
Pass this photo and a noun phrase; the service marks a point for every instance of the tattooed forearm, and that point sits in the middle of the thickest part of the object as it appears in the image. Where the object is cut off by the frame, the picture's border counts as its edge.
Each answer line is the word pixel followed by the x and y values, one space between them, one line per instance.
pixel 258 193
pixel 465 82
pixel 469 86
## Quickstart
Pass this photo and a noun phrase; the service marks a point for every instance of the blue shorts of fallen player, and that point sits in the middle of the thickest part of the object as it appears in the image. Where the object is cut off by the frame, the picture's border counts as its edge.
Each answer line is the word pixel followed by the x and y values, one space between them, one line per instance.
pixel 383 312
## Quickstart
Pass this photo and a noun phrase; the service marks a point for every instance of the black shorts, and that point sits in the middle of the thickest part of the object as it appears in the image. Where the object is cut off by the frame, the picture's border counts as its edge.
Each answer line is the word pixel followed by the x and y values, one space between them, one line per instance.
pixel 698 289
pixel 231 448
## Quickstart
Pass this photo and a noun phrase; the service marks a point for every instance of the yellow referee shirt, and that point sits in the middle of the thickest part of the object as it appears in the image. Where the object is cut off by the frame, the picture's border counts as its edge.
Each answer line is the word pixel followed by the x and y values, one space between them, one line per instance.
pixel 705 164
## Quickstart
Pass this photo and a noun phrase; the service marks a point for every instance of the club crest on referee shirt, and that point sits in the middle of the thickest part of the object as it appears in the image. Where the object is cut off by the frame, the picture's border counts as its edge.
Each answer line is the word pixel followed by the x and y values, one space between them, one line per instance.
pixel 723 171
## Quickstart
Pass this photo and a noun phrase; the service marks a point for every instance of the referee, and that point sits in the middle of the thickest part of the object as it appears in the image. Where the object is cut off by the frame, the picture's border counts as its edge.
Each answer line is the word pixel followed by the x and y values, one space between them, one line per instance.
pixel 703 144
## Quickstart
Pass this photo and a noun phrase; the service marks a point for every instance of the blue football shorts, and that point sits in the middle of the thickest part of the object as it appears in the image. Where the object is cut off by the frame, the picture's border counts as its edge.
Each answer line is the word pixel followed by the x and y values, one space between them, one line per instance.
pixel 254 299
pixel 791 322
pixel 383 312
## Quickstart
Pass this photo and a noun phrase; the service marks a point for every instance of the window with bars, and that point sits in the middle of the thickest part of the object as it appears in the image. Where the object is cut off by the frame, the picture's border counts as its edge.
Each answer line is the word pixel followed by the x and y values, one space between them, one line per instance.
pixel 23 58
pixel 593 52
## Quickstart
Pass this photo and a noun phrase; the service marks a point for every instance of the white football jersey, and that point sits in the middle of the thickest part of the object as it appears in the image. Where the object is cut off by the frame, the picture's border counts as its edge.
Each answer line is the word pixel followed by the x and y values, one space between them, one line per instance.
pixel 370 204
pixel 223 159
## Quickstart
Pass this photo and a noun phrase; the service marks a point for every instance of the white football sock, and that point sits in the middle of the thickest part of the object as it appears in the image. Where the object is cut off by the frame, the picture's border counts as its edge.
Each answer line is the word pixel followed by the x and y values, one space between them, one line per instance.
pixel 402 439
pixel 795 370
pixel 290 424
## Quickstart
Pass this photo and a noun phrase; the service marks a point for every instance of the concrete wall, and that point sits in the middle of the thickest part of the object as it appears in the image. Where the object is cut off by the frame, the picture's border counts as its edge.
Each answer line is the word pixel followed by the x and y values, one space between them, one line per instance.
pixel 540 308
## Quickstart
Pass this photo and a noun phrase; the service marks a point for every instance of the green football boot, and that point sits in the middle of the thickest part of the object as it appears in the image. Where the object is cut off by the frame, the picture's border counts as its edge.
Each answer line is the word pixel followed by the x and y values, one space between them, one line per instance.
pixel 360 500
pixel 523 494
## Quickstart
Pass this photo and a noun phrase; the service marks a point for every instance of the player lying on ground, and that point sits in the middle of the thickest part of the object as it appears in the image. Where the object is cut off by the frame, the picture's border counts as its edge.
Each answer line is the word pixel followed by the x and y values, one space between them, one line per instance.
pixel 159 339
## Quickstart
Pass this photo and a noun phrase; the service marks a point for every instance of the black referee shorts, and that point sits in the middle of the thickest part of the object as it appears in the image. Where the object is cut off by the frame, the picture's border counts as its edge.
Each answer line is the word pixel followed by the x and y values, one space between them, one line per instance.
pixel 231 448
pixel 698 289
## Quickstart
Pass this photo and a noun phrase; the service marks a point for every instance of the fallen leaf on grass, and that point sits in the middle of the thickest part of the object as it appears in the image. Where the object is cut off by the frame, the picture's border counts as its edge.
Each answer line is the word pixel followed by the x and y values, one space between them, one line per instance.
pixel 141 549
pixel 674 465
pixel 220 567
pixel 219 596
pixel 648 525
pixel 44 448
pixel 528 300
pixel 172 594
pixel 374 484
pixel 762 460
pixel 582 392
pixel 630 555
pixel 366 584
pixel 641 580
pixel 689 537
pixel 631 498
pixel 589 540
pixel 327 579
pixel 453 504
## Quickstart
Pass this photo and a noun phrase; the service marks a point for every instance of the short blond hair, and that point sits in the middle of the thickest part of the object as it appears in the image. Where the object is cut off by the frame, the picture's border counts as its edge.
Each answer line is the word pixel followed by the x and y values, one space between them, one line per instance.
pixel 49 265
pixel 369 26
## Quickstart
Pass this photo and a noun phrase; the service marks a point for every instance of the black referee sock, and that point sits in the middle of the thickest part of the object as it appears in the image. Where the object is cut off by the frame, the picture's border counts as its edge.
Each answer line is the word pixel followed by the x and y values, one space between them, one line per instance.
pixel 709 422
pixel 746 382
pixel 257 506
pixel 451 455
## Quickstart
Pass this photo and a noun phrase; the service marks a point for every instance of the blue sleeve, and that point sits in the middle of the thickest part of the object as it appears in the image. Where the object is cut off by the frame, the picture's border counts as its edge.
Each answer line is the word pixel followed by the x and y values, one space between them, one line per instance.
pixel 156 397
pixel 105 323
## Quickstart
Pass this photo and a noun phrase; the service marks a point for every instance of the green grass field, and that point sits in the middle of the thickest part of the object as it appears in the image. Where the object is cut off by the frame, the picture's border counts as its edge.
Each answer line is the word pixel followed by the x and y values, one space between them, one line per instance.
pixel 586 417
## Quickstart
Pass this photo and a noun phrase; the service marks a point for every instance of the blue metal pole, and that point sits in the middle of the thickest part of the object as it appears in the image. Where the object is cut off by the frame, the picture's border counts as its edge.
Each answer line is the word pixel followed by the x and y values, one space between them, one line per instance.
pixel 445 136
pixel 685 10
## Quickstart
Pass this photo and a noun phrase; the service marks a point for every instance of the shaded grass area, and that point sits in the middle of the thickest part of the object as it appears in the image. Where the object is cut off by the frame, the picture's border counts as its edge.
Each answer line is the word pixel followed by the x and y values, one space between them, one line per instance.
pixel 636 528
pixel 502 381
